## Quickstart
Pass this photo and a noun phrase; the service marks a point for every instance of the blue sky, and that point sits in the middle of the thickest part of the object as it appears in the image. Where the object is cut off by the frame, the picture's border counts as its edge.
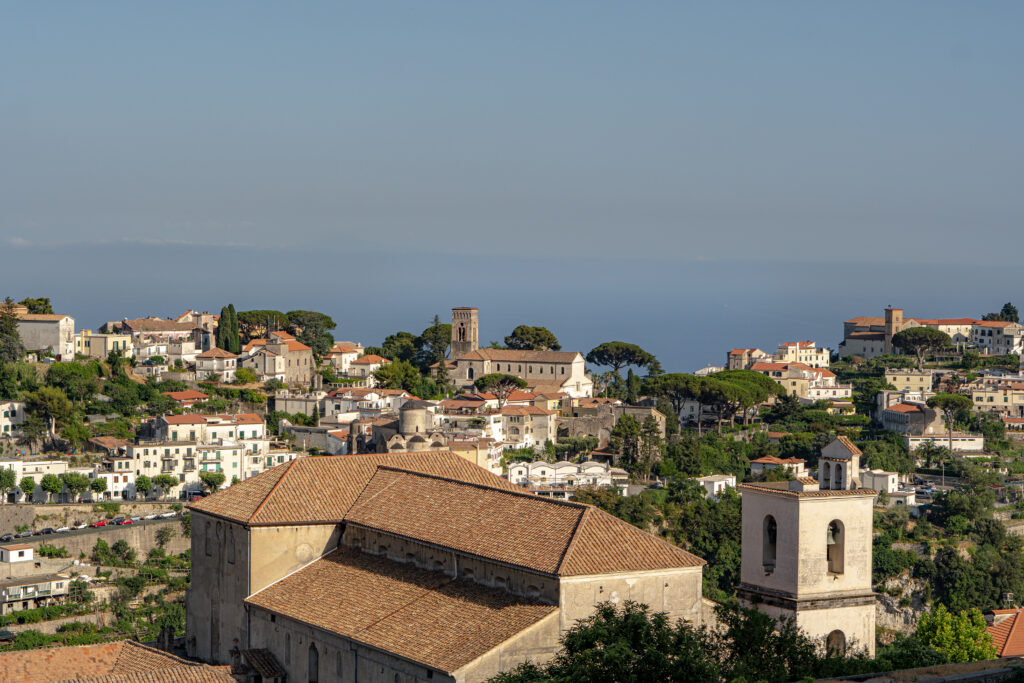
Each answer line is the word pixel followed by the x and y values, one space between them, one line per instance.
pixel 519 142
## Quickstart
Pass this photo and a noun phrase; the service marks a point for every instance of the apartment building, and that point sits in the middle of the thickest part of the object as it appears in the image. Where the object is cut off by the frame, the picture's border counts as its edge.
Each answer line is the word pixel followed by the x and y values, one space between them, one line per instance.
pixel 12 414
pixel 805 352
pixel 216 364
pixel 803 381
pixel 88 343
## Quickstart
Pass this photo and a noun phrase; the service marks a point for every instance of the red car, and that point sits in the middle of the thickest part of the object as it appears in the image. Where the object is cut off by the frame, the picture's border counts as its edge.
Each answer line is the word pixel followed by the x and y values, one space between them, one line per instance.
pixel 102 522
pixel 128 520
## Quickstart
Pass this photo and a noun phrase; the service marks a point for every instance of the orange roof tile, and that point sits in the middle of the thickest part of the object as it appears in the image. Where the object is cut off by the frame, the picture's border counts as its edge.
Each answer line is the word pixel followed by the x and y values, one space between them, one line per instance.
pixel 122 661
pixel 1008 633
pixel 282 493
pixel 849 445
pixel 216 353
pixel 370 359
pixel 188 395
pixel 421 615
pixel 905 408
pixel 516 527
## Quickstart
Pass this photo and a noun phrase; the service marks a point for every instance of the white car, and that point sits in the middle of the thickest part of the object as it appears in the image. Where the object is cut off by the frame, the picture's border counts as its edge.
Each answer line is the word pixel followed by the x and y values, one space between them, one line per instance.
pixel 167 515
pixel 80 526
pixel 63 529
pixel 152 516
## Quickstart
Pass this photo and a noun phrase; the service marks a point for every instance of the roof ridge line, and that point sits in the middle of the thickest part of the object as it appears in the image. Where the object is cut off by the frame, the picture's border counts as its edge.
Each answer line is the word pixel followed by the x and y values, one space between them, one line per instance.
pixel 277 483
pixel 412 600
pixel 656 537
pixel 1009 633
pixel 365 486
pixel 524 493
pixel 572 541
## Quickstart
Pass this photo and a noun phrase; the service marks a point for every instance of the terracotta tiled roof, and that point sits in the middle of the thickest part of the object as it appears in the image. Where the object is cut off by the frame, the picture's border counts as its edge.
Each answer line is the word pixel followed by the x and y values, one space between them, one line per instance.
pixel 553 537
pixel 867 336
pixel 41 317
pixel 849 445
pixel 188 395
pixel 524 356
pixel 114 662
pixel 772 460
pixel 216 353
pixel 808 494
pixel 905 408
pixel 156 325
pixel 370 359
pixel 285 493
pixel 993 323
pixel 421 615
pixel 866 320
pixel 764 367
pixel 239 419
pixel 1008 633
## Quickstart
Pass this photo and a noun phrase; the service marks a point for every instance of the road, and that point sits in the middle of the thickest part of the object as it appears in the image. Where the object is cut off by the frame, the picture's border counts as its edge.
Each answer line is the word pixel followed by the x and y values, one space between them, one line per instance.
pixel 79 532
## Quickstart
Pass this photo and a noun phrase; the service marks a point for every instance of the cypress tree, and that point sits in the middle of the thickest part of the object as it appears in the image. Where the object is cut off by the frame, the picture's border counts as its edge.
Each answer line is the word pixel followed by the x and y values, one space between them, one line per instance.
pixel 235 339
pixel 223 326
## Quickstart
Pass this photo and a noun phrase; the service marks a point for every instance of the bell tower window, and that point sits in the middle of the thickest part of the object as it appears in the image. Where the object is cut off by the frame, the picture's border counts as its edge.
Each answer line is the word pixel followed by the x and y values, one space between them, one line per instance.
pixel 770 533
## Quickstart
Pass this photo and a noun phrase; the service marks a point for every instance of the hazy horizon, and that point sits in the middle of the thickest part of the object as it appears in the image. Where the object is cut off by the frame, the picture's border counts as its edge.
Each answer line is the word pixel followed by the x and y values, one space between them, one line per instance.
pixel 689 177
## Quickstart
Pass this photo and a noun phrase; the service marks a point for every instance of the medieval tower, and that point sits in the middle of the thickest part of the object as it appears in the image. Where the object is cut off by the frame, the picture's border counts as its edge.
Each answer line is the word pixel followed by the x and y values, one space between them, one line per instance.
pixel 806 555
pixel 465 331
pixel 893 326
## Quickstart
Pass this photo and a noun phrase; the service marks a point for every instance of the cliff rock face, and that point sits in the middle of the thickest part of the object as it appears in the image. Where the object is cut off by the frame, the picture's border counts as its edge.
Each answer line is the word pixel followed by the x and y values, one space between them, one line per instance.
pixel 890 615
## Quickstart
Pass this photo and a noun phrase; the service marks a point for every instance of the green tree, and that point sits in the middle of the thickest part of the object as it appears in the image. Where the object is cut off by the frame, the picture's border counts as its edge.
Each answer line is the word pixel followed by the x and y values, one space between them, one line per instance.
pixel 400 346
pixel 76 483
pixel 399 374
pixel 101 553
pixel 500 384
pixel 245 376
pixel 227 330
pixel 8 482
pixel 618 355
pixel 677 388
pixel 52 484
pixel 79 381
pixel 1008 314
pixel 625 440
pixel 212 480
pixel 432 345
pixel 530 338
pixel 27 486
pixel 123 552
pixel 98 485
pixel 143 485
pixel 919 341
pixel 76 433
pixel 164 536
pixel 40 305
pixel 950 405
pixel 313 330
pixel 11 348
pixel 961 637
pixel 257 324
pixel 165 482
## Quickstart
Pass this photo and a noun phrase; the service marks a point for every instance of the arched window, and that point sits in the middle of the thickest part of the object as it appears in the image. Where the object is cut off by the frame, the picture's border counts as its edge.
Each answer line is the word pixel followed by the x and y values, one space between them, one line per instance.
pixel 835 643
pixel 313 672
pixel 835 544
pixel 769 533
pixel 839 475
pixel 826 479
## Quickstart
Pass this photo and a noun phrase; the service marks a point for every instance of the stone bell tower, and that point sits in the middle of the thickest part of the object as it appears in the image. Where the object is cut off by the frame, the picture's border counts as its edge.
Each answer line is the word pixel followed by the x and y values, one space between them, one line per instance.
pixel 465 331
pixel 806 555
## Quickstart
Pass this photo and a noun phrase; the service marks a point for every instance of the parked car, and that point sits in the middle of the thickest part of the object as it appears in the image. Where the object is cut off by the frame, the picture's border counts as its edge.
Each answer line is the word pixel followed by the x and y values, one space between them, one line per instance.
pixel 127 520
pixel 62 529
pixel 152 516
pixel 24 534
pixel 80 526
pixel 47 531
pixel 117 520
pixel 167 515
pixel 6 538
pixel 100 523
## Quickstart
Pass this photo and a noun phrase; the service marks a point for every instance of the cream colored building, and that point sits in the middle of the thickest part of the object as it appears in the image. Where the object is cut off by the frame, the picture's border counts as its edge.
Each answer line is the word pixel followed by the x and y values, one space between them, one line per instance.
pixel 839 465
pixel 803 381
pixel 1005 399
pixel 88 343
pixel 411 567
pixel 806 555
pixel 910 380
pixel 12 414
pixel 806 352
pixel 216 364
pixel 299 365
pixel 47 332
pixel 742 359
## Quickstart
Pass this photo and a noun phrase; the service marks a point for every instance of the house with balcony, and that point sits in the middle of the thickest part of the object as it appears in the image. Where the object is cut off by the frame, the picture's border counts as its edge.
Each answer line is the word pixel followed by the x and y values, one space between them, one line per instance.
pixel 12 414
pixel 216 364
pixel 22 584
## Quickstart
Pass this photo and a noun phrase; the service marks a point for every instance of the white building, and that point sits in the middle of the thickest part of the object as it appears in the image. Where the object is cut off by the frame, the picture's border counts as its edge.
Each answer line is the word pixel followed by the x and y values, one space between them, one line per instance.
pixel 716 484
pixel 47 332
pixel 12 414
pixel 561 479
pixel 216 364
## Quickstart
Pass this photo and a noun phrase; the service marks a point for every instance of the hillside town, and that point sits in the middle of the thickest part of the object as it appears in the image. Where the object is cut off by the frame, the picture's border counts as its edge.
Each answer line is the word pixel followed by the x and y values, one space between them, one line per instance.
pixel 431 508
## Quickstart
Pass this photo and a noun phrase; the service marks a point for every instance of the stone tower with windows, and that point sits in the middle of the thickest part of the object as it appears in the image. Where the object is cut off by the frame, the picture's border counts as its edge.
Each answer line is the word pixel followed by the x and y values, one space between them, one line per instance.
pixel 806 555
pixel 465 331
